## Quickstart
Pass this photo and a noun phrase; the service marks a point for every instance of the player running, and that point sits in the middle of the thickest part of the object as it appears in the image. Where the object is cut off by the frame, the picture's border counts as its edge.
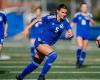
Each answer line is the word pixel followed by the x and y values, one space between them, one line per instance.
pixel 54 26
pixel 82 20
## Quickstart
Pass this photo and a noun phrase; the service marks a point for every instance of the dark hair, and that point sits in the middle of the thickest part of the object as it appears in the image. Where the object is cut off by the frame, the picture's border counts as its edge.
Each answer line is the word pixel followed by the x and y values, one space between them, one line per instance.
pixel 83 3
pixel 62 6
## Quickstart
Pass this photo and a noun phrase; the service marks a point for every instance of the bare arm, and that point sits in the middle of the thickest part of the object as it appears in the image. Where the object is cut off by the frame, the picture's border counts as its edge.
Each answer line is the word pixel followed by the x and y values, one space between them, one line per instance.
pixel 72 24
pixel 26 30
pixel 5 29
pixel 69 33
pixel 92 22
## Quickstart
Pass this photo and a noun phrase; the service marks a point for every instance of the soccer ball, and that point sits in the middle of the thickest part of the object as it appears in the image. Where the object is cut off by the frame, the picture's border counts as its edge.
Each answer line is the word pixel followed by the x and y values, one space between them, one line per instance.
pixel 98 41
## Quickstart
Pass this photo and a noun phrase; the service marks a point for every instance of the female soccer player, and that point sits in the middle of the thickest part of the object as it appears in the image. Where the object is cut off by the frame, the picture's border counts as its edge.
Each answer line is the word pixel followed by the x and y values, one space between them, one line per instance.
pixel 82 20
pixel 54 26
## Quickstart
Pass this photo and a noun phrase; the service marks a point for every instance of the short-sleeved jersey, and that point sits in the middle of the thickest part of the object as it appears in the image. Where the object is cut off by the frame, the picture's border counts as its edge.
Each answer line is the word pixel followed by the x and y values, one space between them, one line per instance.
pixel 36 29
pixel 82 22
pixel 53 29
pixel 3 20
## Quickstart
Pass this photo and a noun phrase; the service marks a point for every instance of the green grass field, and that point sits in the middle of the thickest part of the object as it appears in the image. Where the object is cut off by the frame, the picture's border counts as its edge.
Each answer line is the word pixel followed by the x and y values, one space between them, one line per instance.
pixel 63 69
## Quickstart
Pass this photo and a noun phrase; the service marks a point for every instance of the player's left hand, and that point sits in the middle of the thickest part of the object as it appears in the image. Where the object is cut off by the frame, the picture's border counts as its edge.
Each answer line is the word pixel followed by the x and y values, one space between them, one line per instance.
pixel 69 34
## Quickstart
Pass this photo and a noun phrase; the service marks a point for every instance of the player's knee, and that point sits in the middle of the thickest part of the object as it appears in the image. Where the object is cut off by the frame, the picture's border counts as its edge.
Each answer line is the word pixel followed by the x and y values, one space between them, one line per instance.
pixel 53 56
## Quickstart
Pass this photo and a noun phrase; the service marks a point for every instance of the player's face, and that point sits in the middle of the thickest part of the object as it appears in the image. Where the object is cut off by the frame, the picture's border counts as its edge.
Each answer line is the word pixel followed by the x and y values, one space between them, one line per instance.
pixel 84 8
pixel 62 13
pixel 38 12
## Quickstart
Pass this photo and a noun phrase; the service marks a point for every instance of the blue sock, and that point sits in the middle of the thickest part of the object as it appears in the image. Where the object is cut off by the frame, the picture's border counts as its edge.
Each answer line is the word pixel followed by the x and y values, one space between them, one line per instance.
pixel 32 66
pixel 78 53
pixel 83 56
pixel 50 59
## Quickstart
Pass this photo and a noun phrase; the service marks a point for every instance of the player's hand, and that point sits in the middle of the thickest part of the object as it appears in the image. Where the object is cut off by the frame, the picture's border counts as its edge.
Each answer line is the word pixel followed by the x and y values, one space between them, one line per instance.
pixel 25 32
pixel 38 19
pixel 69 34
pixel 5 34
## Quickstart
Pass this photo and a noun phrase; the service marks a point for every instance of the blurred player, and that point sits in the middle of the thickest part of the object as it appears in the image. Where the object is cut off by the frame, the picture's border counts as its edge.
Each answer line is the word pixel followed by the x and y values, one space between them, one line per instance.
pixel 82 20
pixel 3 33
pixel 36 29
pixel 54 26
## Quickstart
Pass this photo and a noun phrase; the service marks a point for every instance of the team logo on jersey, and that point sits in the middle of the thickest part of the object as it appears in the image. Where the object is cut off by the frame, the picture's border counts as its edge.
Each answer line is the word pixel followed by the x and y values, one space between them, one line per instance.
pixel 0 18
pixel 61 26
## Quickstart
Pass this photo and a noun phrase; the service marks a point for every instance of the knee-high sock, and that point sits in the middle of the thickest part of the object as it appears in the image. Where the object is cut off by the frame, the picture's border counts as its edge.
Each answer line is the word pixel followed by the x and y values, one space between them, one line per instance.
pixel 32 66
pixel 78 53
pixel 83 56
pixel 48 63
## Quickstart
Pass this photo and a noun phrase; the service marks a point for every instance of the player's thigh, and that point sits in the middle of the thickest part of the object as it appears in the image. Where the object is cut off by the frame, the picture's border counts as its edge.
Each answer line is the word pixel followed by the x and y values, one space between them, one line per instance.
pixel 85 44
pixel 45 49
pixel 79 41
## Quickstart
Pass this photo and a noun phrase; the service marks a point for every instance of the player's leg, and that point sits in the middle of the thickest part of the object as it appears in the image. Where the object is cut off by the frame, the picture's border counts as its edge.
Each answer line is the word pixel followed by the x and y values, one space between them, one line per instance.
pixel 83 55
pixel 1 46
pixel 79 42
pixel 51 57
pixel 37 60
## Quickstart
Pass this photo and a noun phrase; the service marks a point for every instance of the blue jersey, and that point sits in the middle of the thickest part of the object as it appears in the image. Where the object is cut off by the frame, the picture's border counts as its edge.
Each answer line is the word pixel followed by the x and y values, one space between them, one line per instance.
pixel 36 29
pixel 53 29
pixel 3 20
pixel 82 23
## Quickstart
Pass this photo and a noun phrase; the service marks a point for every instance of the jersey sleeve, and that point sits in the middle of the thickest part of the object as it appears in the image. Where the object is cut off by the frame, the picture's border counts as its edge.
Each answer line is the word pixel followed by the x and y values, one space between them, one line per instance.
pixel 67 24
pixel 45 19
pixel 91 16
pixel 75 18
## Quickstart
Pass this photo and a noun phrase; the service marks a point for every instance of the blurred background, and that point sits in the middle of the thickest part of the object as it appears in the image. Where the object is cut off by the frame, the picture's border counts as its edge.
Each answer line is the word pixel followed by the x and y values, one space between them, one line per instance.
pixel 20 12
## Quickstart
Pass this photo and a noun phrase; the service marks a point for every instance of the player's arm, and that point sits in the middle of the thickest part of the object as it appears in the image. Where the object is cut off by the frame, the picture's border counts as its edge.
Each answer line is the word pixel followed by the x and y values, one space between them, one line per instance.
pixel 26 30
pixel 92 22
pixel 74 20
pixel 5 29
pixel 72 24
pixel 69 32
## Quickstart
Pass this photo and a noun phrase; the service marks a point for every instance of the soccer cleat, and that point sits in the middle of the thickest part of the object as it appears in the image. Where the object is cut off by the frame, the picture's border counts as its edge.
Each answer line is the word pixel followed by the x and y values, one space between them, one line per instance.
pixel 18 77
pixel 41 77
pixel 77 63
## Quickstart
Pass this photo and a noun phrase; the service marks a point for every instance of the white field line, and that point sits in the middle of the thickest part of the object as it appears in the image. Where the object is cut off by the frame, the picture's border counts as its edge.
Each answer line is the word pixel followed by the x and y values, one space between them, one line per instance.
pixel 52 67
pixel 53 79
pixel 61 72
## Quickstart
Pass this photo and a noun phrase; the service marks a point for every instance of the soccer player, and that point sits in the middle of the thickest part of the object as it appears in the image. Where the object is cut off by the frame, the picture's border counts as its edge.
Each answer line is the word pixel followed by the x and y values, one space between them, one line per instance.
pixel 82 20
pixel 54 26
pixel 3 33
